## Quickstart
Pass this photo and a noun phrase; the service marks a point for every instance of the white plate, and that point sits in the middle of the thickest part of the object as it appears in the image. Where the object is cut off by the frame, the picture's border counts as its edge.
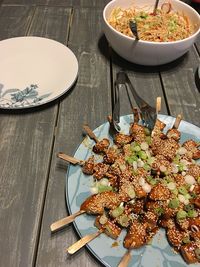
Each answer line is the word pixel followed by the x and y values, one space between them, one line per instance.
pixel 34 71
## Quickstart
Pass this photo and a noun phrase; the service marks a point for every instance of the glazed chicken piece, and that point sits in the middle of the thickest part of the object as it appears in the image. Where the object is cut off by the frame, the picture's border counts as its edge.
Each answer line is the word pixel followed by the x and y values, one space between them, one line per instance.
pixel 159 192
pixel 195 221
pixel 88 167
pixel 183 224
pixel 110 155
pixel 179 179
pixel 167 223
pixel 116 168
pixel 192 148
pixel 176 236
pixel 109 227
pixel 194 170
pixel 100 170
pixel 189 252
pixel 95 204
pixel 138 133
pixel 136 236
pixel 196 201
pixel 122 139
pixel 137 207
pixel 101 146
pixel 150 218
pixel 113 179
pixel 174 133
pixel 165 147
pixel 168 212
pixel 153 205
pixel 157 133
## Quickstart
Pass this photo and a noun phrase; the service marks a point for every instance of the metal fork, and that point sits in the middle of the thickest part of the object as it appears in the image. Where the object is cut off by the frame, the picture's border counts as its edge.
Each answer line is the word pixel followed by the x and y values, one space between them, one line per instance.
pixel 148 113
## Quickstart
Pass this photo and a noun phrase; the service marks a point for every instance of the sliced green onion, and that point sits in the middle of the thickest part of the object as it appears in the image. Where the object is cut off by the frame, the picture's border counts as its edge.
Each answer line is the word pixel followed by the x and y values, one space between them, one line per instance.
pixel 144 146
pixel 103 219
pixel 153 181
pixel 136 148
pixel 192 214
pixel 182 190
pixel 150 160
pixel 117 212
pixel 142 155
pixel 104 188
pixel 174 203
pixel 159 211
pixel 175 192
pixel 146 167
pixel 176 159
pixel 123 220
pixel 181 214
pixel 131 192
pixel 189 207
pixel 148 140
pixel 186 240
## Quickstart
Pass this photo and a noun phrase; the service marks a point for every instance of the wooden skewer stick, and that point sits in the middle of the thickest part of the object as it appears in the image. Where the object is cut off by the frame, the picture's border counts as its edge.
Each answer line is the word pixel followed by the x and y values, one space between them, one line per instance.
pixel 177 121
pixel 70 159
pixel 125 259
pixel 65 221
pixel 83 241
pixel 90 133
pixel 158 104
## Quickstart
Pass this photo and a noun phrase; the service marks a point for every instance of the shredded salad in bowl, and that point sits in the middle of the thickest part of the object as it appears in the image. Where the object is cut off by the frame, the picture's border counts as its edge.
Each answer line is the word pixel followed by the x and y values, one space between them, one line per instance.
pixel 164 25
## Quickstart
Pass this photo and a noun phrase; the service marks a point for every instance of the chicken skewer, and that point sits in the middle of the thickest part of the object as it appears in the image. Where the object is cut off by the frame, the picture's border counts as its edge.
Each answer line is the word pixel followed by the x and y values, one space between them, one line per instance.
pixel 105 225
pixel 94 205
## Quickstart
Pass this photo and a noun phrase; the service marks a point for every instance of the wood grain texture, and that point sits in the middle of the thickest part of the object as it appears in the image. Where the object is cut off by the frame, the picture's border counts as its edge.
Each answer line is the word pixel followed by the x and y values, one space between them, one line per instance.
pixel 14 21
pixel 25 152
pixel 88 102
pixel 67 3
pixel 180 87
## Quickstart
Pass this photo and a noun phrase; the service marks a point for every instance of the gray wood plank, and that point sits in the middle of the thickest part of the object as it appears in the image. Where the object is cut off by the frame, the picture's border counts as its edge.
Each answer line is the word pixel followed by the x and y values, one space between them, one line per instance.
pixel 88 102
pixel 25 152
pixel 81 3
pixel 180 87
pixel 51 22
pixel 14 21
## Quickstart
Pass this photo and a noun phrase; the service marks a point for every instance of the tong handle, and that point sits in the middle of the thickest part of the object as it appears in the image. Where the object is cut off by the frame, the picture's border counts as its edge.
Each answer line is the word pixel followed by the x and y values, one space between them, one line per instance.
pixel 140 102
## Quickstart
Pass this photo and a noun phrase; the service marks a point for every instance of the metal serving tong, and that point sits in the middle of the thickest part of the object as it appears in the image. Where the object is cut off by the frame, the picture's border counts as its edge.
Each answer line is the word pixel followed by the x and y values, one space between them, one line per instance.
pixel 148 113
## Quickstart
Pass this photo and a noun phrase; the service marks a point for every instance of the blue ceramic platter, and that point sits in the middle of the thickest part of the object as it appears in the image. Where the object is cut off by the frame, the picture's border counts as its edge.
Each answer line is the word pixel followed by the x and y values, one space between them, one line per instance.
pixel 159 253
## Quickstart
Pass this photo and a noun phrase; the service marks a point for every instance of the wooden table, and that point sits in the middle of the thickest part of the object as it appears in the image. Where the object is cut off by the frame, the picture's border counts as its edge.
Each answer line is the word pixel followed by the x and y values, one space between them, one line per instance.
pixel 32 178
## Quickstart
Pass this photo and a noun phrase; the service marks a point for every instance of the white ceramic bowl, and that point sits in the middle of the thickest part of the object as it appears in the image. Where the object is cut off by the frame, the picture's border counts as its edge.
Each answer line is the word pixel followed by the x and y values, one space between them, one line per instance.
pixel 145 52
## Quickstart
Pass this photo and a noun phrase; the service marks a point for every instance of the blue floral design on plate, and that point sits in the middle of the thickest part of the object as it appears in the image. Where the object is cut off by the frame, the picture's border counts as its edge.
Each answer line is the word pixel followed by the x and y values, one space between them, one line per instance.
pixel 16 98
pixel 157 254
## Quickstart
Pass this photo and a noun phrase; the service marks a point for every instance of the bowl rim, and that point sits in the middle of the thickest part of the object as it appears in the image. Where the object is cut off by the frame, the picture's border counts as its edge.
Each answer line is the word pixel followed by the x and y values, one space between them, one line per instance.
pixel 151 42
